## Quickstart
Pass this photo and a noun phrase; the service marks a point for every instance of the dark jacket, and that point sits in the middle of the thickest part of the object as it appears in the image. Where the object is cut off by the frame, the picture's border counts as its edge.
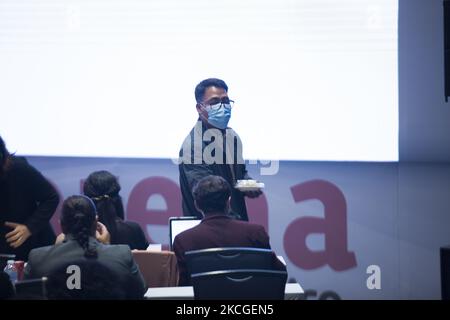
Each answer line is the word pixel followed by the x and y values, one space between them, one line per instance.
pixel 131 234
pixel 193 167
pixel 26 197
pixel 118 258
pixel 217 231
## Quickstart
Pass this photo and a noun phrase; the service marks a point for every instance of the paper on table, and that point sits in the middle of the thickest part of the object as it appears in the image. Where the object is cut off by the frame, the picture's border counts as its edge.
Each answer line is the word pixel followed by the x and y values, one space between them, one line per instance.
pixel 154 247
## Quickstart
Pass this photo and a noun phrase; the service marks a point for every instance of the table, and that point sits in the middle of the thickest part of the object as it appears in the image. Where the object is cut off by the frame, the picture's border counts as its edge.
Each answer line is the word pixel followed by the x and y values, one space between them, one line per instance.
pixel 159 268
pixel 293 291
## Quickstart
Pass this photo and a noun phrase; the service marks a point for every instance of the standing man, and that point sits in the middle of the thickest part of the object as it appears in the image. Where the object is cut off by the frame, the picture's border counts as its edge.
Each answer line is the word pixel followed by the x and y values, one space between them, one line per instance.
pixel 212 148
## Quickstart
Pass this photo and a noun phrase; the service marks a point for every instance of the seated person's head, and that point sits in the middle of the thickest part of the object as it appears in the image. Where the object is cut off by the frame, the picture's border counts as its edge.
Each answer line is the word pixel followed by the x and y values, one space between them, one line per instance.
pixel 212 195
pixel 102 187
pixel 95 282
pixel 78 219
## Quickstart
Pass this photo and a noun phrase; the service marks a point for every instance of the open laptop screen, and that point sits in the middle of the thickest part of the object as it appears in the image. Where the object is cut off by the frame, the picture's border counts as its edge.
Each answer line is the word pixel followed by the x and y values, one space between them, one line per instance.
pixel 180 224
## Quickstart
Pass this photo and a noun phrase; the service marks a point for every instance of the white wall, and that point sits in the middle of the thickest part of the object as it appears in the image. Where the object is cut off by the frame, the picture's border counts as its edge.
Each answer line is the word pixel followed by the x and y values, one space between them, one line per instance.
pixel 423 113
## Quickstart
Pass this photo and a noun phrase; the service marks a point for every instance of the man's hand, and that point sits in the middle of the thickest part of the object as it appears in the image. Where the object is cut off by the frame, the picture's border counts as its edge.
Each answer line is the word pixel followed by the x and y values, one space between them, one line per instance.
pixel 253 194
pixel 18 236
pixel 102 234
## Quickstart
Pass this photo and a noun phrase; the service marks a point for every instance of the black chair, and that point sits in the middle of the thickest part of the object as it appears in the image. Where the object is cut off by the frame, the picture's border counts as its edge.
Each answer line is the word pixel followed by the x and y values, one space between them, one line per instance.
pixel 445 272
pixel 33 289
pixel 239 285
pixel 214 259
pixel 6 286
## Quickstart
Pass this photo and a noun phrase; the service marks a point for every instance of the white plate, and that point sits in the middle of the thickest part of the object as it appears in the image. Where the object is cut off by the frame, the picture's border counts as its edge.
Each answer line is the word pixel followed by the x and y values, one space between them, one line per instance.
pixel 256 187
pixel 248 188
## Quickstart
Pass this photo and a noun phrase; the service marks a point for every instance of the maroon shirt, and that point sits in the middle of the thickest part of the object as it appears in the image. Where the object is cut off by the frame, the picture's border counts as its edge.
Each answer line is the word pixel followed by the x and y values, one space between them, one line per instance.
pixel 219 231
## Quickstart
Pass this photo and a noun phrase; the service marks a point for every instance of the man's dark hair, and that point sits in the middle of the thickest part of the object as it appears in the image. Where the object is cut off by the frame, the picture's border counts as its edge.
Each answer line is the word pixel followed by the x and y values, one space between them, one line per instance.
pixel 211 194
pixel 205 84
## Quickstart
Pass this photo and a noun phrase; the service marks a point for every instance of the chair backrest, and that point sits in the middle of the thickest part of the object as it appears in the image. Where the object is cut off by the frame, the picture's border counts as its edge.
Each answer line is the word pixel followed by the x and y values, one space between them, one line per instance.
pixel 33 289
pixel 214 259
pixel 239 285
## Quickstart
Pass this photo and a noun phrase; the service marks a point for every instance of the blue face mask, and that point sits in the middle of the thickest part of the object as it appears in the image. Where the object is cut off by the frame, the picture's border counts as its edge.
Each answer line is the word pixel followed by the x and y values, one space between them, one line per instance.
pixel 219 115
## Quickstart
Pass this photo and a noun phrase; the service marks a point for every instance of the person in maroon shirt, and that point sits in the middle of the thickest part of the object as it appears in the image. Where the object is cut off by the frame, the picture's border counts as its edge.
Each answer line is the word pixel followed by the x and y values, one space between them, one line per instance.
pixel 217 228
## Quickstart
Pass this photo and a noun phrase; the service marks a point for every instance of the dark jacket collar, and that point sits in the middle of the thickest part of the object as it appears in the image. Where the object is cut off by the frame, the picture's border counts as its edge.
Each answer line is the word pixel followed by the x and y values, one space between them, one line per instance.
pixel 92 240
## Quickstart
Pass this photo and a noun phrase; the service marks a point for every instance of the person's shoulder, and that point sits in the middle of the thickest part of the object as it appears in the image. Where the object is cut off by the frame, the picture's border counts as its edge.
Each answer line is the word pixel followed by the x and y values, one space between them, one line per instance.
pixel 20 167
pixel 40 250
pixel 115 249
pixel 191 133
pixel 189 233
pixel 128 228
pixel 19 159
pixel 18 163
pixel 187 145
pixel 231 131
pixel 130 224
pixel 40 253
pixel 248 225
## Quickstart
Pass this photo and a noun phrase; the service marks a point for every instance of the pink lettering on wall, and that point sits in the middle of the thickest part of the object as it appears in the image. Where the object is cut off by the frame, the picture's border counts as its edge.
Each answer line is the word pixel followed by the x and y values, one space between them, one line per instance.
pixel 138 211
pixel 333 226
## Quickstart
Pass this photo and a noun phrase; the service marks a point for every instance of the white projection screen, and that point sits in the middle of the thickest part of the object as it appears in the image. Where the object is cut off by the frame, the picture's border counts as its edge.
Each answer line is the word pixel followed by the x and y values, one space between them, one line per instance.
pixel 312 79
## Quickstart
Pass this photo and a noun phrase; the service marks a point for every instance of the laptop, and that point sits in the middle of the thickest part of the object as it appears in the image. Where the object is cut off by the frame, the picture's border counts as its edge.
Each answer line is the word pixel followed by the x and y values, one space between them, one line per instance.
pixel 180 224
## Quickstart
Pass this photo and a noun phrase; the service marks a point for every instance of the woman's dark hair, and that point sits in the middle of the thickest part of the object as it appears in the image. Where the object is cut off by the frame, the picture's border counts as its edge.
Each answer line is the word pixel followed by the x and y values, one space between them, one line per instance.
pixel 78 218
pixel 211 194
pixel 103 188
pixel 205 84
pixel 4 157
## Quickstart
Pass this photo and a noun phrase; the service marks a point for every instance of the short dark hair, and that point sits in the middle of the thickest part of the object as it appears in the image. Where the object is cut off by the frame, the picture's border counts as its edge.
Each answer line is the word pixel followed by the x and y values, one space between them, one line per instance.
pixel 205 84
pixel 211 194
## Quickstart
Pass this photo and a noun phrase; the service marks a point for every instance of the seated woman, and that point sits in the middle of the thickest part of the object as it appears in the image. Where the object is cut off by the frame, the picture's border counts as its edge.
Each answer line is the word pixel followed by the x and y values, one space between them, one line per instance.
pixel 103 188
pixel 79 224
pixel 97 282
